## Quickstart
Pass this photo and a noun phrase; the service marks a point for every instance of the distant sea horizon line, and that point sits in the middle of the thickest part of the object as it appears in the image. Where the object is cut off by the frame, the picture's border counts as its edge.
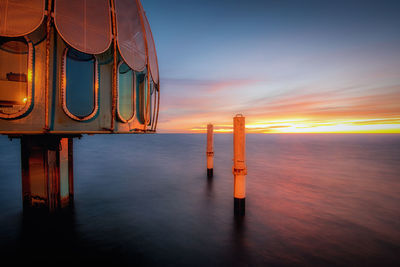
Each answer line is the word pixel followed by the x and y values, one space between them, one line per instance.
pixel 346 133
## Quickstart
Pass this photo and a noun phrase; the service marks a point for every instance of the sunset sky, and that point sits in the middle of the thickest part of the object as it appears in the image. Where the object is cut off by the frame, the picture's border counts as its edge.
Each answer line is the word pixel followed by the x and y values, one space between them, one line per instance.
pixel 288 66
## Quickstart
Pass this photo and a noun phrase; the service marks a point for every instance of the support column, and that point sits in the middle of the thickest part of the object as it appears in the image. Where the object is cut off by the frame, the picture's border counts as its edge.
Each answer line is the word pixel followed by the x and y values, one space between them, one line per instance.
pixel 71 169
pixel 210 150
pixel 239 164
pixel 47 174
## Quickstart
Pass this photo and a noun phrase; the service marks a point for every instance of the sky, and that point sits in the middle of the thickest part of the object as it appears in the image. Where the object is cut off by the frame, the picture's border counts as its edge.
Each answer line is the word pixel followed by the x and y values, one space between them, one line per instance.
pixel 287 66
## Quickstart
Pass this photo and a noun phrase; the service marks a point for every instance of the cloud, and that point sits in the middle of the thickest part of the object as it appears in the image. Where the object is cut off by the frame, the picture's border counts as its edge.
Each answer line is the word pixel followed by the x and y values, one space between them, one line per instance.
pixel 336 104
pixel 304 108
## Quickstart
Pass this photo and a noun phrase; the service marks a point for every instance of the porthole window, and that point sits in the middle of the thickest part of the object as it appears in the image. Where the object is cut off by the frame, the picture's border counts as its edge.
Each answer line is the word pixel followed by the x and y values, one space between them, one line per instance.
pixel 126 90
pixel 15 77
pixel 79 85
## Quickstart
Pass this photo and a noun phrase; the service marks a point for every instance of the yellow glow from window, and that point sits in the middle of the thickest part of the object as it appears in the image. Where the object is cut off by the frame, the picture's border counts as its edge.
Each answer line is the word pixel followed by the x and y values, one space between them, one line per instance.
pixel 25 99
pixel 29 75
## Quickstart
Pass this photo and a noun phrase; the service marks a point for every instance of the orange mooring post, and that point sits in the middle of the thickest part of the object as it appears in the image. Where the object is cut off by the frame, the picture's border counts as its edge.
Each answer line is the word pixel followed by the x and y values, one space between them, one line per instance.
pixel 239 164
pixel 210 150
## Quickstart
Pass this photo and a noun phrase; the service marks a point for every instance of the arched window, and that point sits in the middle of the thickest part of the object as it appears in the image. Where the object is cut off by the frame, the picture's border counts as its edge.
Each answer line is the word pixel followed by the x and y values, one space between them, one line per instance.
pixel 79 85
pixel 152 101
pixel 15 76
pixel 142 95
pixel 126 93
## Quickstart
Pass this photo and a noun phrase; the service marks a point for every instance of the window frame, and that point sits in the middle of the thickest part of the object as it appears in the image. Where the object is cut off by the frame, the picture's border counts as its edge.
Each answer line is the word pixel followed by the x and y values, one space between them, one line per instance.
pixel 30 84
pixel 133 95
pixel 64 89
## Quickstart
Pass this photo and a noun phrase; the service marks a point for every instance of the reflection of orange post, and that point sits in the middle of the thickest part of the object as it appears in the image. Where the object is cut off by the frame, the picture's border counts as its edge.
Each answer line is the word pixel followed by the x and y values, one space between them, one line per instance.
pixel 239 164
pixel 210 150
pixel 47 176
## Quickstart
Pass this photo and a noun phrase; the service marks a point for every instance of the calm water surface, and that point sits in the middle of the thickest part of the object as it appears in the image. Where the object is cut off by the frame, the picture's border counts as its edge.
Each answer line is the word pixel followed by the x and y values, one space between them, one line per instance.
pixel 312 200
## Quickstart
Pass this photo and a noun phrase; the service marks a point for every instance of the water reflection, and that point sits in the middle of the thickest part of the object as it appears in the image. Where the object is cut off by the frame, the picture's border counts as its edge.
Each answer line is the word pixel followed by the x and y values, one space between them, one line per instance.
pixel 46 238
pixel 305 206
pixel 210 181
pixel 239 234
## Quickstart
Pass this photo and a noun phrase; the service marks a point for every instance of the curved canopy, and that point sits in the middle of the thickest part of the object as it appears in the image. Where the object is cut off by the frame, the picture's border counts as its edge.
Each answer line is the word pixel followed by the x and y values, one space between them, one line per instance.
pixel 20 17
pixel 131 41
pixel 152 51
pixel 84 24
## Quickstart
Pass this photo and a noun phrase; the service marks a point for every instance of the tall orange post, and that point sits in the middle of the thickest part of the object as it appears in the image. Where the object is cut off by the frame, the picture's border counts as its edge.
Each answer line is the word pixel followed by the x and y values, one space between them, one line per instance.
pixel 210 150
pixel 239 164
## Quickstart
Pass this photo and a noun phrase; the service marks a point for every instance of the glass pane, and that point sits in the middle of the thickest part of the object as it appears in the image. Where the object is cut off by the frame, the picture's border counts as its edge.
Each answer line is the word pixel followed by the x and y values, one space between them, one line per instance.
pixel 152 100
pixel 125 91
pixel 13 75
pixel 141 86
pixel 80 69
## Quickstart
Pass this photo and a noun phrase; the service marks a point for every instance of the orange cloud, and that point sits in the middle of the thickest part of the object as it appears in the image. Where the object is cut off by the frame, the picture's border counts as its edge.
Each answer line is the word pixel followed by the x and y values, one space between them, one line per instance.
pixel 351 109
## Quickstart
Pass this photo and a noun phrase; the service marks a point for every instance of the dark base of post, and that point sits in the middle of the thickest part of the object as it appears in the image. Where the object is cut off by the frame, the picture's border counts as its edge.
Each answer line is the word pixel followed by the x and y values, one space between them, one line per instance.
pixel 47 173
pixel 239 206
pixel 210 173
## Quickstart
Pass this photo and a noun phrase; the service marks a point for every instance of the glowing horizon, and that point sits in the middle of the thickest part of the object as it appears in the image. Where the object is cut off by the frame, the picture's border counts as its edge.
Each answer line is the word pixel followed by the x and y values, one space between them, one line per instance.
pixel 288 66
pixel 361 109
pixel 307 127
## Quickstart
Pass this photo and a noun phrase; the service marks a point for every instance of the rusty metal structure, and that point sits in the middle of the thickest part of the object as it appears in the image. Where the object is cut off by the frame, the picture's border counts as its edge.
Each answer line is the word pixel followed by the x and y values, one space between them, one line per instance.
pixel 67 68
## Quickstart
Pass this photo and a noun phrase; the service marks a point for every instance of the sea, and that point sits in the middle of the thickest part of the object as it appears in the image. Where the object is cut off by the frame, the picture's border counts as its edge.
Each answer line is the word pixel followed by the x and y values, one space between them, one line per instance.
pixel 145 200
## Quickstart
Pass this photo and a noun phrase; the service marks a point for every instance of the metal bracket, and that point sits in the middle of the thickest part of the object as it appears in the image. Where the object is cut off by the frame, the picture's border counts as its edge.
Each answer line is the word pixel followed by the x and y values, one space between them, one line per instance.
pixel 239 171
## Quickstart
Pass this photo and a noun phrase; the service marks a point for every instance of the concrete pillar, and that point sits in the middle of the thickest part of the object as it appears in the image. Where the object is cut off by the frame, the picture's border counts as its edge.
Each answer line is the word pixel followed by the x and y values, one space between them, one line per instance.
pixel 239 164
pixel 210 150
pixel 47 174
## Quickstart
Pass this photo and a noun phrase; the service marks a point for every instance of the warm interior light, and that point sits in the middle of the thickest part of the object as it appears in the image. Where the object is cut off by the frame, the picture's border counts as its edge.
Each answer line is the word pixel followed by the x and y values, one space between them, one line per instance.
pixel 25 99
pixel 29 75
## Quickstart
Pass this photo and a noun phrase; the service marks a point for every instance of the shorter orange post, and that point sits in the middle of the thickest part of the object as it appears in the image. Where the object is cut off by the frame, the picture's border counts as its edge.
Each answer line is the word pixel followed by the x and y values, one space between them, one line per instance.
pixel 239 164
pixel 210 150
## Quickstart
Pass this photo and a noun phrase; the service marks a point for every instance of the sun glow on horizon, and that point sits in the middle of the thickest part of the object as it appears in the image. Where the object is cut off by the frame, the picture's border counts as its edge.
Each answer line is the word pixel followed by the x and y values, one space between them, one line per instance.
pixel 324 70
pixel 307 126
